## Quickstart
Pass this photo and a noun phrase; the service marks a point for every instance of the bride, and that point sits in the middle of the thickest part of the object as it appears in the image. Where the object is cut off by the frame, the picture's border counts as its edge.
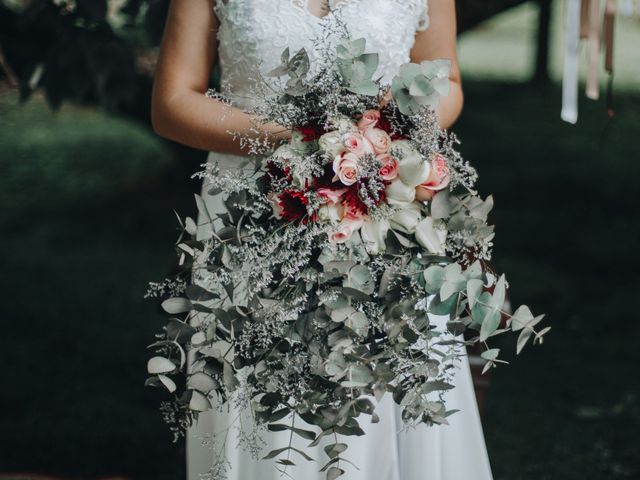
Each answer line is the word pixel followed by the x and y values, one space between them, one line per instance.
pixel 246 37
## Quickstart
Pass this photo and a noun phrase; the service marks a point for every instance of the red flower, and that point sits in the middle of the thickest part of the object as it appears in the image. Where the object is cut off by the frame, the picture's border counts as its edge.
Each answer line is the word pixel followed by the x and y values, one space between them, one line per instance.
pixel 274 172
pixel 385 124
pixel 311 132
pixel 294 205
pixel 353 200
pixel 326 179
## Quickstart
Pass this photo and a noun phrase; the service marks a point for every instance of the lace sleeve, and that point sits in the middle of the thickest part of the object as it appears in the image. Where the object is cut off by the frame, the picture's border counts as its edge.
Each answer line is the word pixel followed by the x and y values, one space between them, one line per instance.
pixel 422 17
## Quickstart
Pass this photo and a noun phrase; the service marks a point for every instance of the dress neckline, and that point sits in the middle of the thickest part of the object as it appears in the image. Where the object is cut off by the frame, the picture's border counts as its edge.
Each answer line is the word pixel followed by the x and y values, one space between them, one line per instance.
pixel 334 7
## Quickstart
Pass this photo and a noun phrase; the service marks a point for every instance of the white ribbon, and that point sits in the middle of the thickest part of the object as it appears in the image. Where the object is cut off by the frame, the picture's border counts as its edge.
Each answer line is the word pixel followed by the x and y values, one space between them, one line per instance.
pixel 570 77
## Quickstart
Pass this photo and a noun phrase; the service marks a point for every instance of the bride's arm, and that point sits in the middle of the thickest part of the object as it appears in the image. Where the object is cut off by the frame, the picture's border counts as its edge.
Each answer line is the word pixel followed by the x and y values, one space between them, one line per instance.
pixel 180 111
pixel 439 41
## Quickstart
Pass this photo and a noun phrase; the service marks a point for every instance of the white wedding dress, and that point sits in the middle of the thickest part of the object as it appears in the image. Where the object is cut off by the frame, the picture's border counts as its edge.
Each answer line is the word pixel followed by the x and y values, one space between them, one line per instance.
pixel 252 35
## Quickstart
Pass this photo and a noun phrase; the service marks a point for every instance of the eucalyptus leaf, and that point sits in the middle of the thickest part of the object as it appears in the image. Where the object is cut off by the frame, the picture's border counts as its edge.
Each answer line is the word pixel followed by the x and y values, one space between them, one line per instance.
pixel 158 365
pixel 199 402
pixel 474 290
pixel 176 305
pixel 490 324
pixel 334 472
pixel 169 384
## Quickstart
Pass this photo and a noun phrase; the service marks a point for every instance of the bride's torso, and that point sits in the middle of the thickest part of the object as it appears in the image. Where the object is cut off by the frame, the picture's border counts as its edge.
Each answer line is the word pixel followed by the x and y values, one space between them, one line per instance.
pixel 252 35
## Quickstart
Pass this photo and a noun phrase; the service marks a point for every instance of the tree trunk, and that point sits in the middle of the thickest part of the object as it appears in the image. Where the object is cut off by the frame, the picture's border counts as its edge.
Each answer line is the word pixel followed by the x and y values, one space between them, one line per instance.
pixel 541 71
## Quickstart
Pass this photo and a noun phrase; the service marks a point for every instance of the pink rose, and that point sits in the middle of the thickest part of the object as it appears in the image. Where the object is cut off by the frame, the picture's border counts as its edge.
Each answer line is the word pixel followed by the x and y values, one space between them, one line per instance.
pixel 346 228
pixel 345 167
pixel 357 144
pixel 438 179
pixel 331 196
pixel 389 169
pixel 369 119
pixel 379 139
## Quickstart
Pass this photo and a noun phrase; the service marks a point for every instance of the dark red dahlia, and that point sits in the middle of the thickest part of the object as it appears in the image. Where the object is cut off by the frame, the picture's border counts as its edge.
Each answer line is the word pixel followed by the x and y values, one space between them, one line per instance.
pixel 294 205
pixel 384 123
pixel 353 201
pixel 274 172
pixel 311 132
pixel 326 179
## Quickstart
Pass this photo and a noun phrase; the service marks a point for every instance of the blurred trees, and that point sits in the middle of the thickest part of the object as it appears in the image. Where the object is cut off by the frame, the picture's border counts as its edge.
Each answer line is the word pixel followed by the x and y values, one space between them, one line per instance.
pixel 102 51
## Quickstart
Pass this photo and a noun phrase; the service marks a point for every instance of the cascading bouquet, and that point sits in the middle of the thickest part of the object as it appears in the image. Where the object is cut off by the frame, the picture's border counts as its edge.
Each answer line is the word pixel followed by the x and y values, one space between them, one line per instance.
pixel 311 294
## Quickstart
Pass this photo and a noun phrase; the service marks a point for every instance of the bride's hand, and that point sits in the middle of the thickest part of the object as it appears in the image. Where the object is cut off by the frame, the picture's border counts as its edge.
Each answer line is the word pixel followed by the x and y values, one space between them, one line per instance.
pixel 386 98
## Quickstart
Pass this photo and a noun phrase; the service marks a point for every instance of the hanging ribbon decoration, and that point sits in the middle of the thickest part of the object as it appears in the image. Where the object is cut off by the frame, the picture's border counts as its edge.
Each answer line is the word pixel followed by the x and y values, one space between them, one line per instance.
pixel 593 50
pixel 570 74
pixel 584 21
pixel 610 12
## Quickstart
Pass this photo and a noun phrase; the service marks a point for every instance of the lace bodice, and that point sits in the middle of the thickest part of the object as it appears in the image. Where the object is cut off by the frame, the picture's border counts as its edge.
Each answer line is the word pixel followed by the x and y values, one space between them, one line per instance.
pixel 253 33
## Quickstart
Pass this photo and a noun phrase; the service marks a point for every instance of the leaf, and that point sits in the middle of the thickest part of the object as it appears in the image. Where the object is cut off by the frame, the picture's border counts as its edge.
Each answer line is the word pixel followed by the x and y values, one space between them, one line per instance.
pixel 199 402
pixel 474 290
pixel 358 376
pixel 176 305
pixel 334 472
pixel 441 205
pixel 168 383
pixel 275 453
pixel 335 449
pixel 202 382
pixel 196 293
pixel 436 386
pixel 158 365
pixel 490 354
pixel 521 318
pixel 434 278
pixel 497 299
pixel 447 290
pixel 474 272
pixel 490 324
pixel 421 87
pixel 438 307
pixel 523 338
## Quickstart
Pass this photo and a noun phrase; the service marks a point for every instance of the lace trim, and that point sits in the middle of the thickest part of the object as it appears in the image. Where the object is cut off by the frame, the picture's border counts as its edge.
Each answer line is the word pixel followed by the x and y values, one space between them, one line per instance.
pixel 422 9
pixel 423 16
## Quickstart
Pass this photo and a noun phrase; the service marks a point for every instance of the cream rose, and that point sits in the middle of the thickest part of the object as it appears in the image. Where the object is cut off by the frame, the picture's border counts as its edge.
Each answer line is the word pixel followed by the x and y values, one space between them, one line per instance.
pixel 331 143
pixel 379 139
pixel 399 193
pixel 374 235
pixel 431 236
pixel 345 167
pixel 406 218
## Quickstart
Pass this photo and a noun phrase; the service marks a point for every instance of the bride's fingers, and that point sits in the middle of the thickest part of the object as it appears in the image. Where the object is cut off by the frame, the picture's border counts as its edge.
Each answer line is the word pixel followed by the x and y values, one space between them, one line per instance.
pixel 386 98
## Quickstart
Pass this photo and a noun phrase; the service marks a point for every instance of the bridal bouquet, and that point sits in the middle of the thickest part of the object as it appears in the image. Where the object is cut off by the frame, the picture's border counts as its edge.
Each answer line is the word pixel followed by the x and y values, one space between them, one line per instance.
pixel 311 295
